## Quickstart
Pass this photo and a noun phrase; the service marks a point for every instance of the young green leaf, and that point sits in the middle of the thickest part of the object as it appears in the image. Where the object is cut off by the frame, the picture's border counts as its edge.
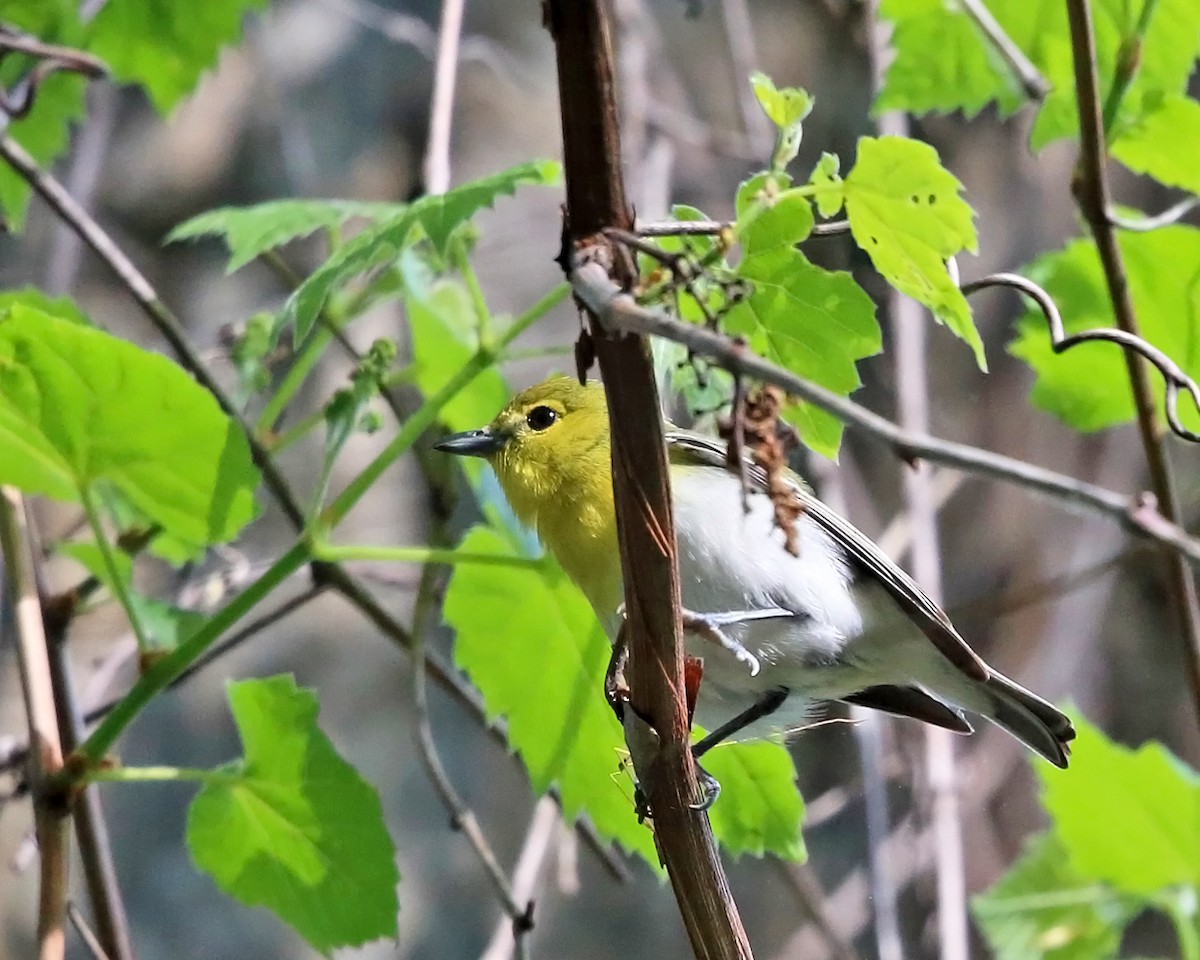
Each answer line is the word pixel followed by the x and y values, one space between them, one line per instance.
pixel 532 645
pixel 1164 143
pixel 906 213
pixel 1088 385
pixel 786 108
pixel 79 407
pixel 249 232
pixel 1041 909
pixel 165 45
pixel 437 215
pixel 293 827
pixel 1128 818
pixel 831 191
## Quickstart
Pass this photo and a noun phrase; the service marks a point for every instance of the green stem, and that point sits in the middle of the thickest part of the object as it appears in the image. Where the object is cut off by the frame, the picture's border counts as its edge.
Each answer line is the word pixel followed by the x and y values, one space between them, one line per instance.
pixel 1129 61
pixel 154 775
pixel 156 679
pixel 312 351
pixel 336 554
pixel 428 412
pixel 1180 906
pixel 296 431
pixel 116 582
pixel 483 316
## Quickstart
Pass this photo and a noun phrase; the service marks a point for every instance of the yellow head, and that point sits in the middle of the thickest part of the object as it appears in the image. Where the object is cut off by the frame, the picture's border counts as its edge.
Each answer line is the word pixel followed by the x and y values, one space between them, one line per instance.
pixel 549 447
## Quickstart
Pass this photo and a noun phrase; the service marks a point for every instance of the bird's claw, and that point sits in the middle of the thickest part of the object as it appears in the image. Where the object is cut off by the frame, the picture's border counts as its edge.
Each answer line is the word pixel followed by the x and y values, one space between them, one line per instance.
pixel 710 789
pixel 709 626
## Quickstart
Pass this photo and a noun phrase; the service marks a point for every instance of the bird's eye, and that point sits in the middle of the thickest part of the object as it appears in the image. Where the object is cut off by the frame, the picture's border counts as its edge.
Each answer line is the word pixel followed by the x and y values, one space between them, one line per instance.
pixel 540 418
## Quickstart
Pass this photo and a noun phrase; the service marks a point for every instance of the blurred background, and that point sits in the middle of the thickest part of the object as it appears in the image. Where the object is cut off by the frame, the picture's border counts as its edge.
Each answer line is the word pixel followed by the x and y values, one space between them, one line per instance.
pixel 331 98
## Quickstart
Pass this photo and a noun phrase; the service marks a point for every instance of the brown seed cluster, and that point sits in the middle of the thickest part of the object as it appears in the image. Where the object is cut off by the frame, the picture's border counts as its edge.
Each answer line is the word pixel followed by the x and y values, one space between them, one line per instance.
pixel 757 427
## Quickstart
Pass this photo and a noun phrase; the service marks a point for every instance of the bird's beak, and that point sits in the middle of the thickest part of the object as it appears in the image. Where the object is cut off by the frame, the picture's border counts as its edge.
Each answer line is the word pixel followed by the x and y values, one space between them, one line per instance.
pixel 472 443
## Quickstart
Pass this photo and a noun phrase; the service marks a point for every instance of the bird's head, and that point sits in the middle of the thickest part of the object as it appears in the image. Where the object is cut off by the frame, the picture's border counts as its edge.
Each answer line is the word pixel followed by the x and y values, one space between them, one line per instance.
pixel 550 441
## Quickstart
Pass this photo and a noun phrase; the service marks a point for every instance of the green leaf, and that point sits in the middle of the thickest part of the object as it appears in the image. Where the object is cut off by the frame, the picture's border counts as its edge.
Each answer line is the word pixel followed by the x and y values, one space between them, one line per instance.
pixel 764 808
pixel 62 307
pixel 79 407
pixel 815 322
pixel 89 556
pixel 165 45
pixel 770 215
pixel 1128 818
pixel 785 107
pixel 533 647
pixel 1088 385
pixel 906 213
pixel 535 650
pixel 831 192
pixel 1164 144
pixel 249 232
pixel 1041 909
pixel 293 827
pixel 442 321
pixel 437 215
pixel 942 63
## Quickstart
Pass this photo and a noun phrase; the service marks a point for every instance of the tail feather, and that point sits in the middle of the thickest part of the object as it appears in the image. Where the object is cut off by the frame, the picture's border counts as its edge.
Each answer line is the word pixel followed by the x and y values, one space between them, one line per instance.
pixel 1029 718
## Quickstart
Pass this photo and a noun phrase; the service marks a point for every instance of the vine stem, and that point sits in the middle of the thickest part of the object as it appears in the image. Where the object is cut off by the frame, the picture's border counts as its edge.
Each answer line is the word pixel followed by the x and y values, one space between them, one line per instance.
pixel 118 585
pixel 596 201
pixel 1090 186
pixel 45 758
pixel 337 554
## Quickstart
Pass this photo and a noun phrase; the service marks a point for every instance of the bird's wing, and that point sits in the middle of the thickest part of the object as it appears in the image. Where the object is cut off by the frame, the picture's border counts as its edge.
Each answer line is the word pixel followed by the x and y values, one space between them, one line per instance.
pixel 697 449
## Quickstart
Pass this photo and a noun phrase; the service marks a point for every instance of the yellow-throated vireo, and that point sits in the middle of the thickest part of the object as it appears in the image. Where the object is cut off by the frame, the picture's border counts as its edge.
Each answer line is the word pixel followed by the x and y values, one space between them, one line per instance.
pixel 837 621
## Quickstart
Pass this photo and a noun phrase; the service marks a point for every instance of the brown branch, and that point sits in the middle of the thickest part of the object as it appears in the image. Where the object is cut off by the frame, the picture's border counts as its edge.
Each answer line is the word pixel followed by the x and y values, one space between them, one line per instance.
pixel 45 758
pixel 618 311
pixel 596 200
pixel 1090 187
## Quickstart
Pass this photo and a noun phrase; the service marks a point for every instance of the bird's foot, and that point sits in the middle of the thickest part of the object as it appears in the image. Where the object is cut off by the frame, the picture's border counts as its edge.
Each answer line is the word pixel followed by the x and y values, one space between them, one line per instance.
pixel 708 626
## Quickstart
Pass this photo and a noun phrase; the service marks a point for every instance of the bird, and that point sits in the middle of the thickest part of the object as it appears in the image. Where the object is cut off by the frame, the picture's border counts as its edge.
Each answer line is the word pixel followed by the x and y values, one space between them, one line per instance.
pixel 835 620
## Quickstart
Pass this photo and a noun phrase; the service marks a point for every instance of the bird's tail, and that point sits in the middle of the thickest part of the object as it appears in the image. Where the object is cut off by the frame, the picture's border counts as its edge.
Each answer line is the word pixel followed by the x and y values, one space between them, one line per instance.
pixel 1029 718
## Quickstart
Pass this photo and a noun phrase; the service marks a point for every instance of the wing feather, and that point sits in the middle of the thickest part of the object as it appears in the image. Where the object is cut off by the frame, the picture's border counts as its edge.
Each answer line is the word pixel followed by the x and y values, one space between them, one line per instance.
pixel 697 449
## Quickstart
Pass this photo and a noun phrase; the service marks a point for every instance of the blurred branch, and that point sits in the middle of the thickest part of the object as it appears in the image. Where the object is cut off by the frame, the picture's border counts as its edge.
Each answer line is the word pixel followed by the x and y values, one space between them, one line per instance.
pixel 1090 187
pixel 45 759
pixel 808 890
pixel 90 940
pixel 618 310
pixel 739 35
pixel 537 846
pixel 441 108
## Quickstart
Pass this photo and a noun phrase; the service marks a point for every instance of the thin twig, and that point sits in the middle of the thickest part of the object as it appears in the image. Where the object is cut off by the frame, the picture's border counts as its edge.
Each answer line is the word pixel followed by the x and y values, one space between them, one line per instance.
pixel 711 228
pixel 1090 187
pixel 45 759
pixel 808 891
pixel 90 940
pixel 912 403
pixel 619 311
